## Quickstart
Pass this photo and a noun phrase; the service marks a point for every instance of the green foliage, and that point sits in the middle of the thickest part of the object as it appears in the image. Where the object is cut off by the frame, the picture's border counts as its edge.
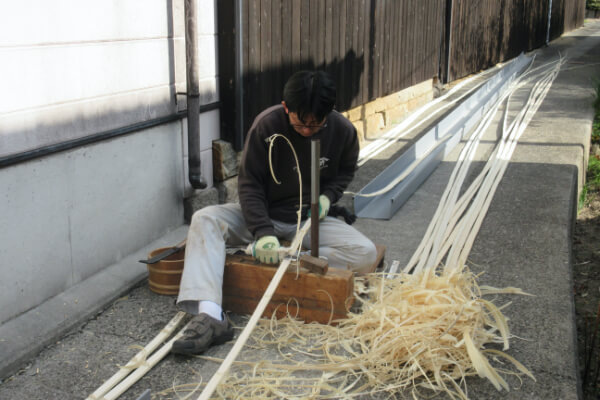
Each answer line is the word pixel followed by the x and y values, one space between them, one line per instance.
pixel 593 173
pixel 596 123
pixel 596 83
pixel 596 129
pixel 592 4
pixel 592 183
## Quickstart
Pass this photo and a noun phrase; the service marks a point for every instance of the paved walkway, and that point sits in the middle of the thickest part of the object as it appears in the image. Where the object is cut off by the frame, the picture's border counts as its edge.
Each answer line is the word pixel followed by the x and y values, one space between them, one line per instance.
pixel 525 241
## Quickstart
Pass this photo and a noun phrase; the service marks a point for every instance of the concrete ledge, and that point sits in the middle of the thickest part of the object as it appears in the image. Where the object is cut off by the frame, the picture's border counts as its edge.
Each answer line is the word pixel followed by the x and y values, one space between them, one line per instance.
pixel 23 337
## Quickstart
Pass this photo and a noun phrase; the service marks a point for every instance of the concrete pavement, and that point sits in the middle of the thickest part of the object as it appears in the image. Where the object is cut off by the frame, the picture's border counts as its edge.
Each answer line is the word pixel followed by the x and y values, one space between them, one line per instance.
pixel 525 241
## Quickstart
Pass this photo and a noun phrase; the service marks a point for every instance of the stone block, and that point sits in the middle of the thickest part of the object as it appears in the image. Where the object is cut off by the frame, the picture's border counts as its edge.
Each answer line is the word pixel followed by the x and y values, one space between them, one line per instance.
pixel 225 160
pixel 355 114
pixel 228 190
pixel 396 114
pixel 418 102
pixel 199 199
pixel 373 107
pixel 374 124
pixel 360 130
pixel 391 101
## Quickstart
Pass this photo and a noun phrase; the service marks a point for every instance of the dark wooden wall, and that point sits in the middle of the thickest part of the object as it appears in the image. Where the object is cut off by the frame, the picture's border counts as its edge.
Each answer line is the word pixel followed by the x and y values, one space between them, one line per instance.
pixel 566 16
pixel 485 32
pixel 372 47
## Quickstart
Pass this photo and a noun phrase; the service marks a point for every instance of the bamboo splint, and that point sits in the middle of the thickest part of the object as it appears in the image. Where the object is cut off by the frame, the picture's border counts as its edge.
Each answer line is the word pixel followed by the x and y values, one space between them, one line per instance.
pixel 241 340
pixel 140 371
pixel 138 359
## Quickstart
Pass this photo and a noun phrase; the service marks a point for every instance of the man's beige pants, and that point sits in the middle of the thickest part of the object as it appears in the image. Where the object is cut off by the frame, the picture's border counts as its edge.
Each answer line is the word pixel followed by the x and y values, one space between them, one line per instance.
pixel 215 227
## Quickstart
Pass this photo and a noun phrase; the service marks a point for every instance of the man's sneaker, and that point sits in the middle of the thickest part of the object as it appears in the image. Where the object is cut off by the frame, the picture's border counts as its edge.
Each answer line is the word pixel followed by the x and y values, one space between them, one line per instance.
pixel 203 332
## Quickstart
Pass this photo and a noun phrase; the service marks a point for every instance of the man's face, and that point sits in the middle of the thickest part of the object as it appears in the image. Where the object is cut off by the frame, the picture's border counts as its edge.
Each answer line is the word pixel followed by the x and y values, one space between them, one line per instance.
pixel 306 128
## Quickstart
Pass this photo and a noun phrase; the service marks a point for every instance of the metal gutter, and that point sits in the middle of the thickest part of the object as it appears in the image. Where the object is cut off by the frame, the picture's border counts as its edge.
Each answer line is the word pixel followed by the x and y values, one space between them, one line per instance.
pixel 431 148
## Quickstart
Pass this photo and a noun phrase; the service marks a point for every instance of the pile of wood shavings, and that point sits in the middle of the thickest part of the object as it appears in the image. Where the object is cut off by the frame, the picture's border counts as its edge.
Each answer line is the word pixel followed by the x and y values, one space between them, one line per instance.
pixel 413 332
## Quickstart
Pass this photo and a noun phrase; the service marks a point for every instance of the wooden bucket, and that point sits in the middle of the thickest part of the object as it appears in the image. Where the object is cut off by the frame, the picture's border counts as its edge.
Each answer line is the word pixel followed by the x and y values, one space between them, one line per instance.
pixel 164 276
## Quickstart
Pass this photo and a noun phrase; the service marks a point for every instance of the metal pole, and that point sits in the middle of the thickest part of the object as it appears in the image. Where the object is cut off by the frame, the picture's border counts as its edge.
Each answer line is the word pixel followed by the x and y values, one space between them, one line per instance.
pixel 239 76
pixel 549 21
pixel 449 15
pixel 193 94
pixel 315 154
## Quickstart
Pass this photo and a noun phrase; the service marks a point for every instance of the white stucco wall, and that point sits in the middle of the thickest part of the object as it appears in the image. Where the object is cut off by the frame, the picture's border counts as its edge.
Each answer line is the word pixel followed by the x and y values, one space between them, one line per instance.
pixel 70 69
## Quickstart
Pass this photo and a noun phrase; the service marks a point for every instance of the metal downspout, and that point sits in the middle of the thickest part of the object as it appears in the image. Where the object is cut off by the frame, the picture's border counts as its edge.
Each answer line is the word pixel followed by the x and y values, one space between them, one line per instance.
pixel 193 94
pixel 549 21
pixel 239 76
pixel 449 17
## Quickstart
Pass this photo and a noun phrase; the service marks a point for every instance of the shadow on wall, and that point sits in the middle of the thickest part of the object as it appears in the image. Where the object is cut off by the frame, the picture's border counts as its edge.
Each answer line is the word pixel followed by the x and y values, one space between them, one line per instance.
pixel 264 88
pixel 64 125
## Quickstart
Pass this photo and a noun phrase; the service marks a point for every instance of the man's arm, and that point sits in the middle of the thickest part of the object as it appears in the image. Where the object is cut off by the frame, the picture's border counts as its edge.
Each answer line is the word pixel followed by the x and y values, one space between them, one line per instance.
pixel 334 188
pixel 252 183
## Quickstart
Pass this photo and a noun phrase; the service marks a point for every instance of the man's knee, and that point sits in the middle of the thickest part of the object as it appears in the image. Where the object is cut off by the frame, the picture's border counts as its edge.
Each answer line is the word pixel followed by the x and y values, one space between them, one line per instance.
pixel 205 212
pixel 365 256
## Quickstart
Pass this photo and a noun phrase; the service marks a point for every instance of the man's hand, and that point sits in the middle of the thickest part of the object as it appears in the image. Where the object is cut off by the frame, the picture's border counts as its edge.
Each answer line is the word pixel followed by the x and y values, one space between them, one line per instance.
pixel 324 204
pixel 266 250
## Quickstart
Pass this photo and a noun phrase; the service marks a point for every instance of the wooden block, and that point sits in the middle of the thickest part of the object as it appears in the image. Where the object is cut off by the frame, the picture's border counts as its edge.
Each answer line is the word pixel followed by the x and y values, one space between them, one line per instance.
pixel 313 264
pixel 308 296
pixel 305 295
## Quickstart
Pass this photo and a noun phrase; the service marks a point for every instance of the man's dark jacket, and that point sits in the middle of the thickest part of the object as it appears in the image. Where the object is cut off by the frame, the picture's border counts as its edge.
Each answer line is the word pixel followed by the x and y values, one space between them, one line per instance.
pixel 261 198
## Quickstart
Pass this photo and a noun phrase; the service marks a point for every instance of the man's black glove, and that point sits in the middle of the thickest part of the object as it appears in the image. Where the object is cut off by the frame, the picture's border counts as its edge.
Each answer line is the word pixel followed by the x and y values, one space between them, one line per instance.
pixel 339 211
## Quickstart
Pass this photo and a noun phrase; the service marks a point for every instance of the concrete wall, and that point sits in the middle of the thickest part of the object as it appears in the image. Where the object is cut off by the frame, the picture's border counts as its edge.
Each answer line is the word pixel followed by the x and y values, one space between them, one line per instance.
pixel 76 68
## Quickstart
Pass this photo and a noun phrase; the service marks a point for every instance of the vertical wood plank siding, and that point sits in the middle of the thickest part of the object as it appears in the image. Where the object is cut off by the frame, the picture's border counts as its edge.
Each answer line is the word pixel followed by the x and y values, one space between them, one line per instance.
pixel 485 32
pixel 375 47
pixel 362 43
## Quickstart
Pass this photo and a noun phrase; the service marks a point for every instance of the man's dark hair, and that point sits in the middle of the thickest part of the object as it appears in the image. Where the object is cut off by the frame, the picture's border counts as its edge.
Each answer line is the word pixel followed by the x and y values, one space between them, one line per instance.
pixel 310 93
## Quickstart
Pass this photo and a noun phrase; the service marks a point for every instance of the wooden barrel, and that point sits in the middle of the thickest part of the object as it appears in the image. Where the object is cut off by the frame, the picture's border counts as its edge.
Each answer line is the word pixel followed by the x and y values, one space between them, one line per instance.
pixel 164 276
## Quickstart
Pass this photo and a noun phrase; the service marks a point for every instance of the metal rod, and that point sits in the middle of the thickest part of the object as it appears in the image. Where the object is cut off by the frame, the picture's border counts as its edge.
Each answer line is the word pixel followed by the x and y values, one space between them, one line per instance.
pixel 449 17
pixel 549 22
pixel 193 94
pixel 315 154
pixel 239 76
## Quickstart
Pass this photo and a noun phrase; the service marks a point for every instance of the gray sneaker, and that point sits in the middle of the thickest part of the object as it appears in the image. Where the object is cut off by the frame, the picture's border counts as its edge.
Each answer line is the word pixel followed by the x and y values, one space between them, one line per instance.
pixel 203 332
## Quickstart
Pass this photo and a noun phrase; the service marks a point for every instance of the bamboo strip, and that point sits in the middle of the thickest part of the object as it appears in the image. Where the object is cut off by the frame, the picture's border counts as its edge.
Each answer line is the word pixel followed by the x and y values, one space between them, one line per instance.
pixel 138 358
pixel 241 340
pixel 452 222
pixel 139 372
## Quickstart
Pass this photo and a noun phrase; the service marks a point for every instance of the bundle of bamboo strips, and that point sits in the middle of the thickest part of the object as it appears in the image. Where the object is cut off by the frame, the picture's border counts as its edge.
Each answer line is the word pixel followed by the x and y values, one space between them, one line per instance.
pixel 412 333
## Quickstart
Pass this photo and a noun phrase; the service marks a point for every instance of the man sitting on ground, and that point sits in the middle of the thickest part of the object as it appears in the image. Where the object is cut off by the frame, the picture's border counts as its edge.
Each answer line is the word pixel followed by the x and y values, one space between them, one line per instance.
pixel 267 211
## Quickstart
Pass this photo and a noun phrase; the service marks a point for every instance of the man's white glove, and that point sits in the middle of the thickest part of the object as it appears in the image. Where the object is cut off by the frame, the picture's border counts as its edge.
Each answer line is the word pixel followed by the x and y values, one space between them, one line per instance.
pixel 324 204
pixel 266 250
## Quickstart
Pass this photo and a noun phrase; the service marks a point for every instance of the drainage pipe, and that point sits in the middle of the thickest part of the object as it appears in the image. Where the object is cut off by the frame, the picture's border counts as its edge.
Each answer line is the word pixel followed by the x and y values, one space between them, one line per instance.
pixel 193 93
pixel 549 22
pixel 449 17
pixel 239 76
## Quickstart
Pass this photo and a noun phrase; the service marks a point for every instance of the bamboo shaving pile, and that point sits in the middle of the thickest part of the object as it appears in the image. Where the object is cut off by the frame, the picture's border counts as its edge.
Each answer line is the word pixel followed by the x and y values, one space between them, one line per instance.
pixel 414 332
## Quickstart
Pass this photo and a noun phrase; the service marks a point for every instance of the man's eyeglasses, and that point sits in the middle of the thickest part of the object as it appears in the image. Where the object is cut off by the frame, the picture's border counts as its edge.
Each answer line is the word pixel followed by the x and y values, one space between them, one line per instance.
pixel 302 126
